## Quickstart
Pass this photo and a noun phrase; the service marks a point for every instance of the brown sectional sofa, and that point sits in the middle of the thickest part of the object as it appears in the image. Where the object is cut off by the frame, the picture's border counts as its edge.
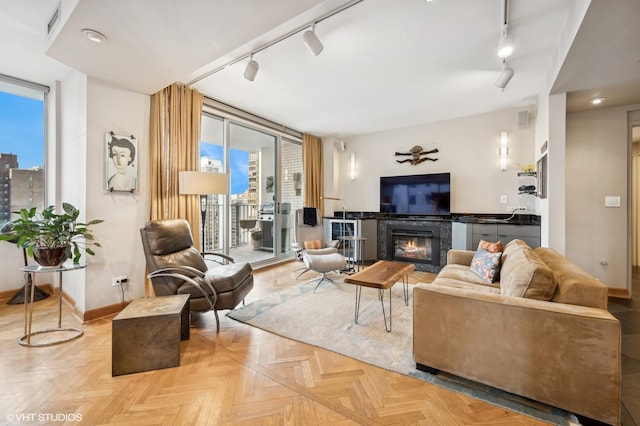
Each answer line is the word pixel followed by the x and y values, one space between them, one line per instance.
pixel 542 331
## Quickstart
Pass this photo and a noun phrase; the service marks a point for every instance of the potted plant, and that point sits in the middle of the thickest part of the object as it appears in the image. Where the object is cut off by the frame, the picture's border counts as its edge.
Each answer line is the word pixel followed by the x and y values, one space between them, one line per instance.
pixel 256 238
pixel 51 237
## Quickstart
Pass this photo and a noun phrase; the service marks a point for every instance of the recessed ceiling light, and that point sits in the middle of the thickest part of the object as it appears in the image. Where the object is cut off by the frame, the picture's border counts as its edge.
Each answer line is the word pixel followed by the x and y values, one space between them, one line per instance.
pixel 597 101
pixel 94 36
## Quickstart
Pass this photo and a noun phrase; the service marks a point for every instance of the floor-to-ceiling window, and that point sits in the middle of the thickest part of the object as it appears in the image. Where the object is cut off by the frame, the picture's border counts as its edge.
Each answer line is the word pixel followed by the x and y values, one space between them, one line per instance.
pixel 22 146
pixel 265 187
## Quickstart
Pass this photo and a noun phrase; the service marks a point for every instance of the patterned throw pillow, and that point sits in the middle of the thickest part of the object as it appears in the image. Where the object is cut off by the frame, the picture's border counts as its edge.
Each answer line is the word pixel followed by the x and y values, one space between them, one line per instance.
pixel 486 265
pixel 491 247
pixel 315 244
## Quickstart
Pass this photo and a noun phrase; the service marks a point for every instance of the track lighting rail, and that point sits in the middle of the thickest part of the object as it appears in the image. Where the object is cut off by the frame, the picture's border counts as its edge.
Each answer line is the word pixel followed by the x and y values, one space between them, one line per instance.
pixel 277 40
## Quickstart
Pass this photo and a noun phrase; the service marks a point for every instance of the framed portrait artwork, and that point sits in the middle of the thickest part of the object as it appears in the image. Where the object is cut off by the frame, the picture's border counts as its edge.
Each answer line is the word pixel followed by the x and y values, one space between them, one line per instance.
pixel 121 166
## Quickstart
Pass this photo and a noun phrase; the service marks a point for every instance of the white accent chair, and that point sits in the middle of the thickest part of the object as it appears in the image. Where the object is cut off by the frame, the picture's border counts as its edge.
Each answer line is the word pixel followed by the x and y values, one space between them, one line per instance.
pixel 324 259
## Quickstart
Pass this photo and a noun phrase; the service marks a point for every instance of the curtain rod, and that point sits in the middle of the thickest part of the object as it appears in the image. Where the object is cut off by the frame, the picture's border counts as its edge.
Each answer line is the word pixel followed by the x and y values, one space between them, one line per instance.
pixel 277 40
pixel 230 109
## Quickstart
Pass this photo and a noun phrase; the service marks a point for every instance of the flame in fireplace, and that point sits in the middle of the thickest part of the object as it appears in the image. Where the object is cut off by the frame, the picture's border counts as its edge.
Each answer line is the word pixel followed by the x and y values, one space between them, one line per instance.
pixel 410 248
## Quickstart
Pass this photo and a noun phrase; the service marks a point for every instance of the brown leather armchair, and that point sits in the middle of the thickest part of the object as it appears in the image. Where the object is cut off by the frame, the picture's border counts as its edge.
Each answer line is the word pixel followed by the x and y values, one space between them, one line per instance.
pixel 175 266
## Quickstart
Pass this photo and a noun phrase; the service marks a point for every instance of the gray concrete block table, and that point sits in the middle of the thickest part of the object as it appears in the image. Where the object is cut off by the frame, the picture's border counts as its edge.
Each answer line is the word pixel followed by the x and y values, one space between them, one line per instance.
pixel 146 334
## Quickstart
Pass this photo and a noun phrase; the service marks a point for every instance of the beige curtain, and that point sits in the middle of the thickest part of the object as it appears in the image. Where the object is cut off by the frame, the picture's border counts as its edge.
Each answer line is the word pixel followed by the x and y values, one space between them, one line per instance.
pixel 176 113
pixel 313 175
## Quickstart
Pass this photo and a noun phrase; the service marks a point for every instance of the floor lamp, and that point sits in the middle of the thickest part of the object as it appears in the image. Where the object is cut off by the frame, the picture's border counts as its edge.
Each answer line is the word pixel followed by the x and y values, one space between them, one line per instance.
pixel 203 184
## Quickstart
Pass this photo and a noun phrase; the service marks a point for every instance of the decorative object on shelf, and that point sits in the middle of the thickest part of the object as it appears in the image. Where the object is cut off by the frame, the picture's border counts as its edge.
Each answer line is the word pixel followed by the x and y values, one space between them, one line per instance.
pixel 416 154
pixel 527 168
pixel 269 184
pixel 527 189
pixel 121 170
pixel 51 238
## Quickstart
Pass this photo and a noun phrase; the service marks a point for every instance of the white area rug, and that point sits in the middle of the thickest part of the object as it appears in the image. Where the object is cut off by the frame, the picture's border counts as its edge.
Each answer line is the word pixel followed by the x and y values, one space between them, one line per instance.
pixel 326 319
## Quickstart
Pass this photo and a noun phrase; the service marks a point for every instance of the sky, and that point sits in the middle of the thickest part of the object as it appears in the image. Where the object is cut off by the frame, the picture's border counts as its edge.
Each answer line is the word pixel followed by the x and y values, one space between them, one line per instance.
pixel 22 129
pixel 239 166
pixel 22 133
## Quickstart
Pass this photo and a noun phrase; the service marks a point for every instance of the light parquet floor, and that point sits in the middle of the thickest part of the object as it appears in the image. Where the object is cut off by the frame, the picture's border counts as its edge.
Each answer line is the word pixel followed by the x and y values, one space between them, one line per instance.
pixel 241 376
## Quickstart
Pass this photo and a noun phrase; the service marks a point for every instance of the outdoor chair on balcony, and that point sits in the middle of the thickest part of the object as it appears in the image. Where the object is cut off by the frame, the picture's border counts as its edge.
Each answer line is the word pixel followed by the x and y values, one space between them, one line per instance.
pixel 175 266
pixel 318 255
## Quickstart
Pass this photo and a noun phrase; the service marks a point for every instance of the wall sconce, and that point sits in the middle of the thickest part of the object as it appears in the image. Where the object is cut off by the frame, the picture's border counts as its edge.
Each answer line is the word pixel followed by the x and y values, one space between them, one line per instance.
pixel 504 151
pixel 352 166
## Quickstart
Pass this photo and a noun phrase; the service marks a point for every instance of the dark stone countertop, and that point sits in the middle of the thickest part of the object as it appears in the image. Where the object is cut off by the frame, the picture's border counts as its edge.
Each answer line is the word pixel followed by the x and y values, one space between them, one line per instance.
pixel 485 218
pixel 489 218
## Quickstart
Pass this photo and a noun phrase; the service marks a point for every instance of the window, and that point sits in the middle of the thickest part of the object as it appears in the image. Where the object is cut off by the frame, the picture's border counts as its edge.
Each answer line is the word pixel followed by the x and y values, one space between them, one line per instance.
pixel 22 145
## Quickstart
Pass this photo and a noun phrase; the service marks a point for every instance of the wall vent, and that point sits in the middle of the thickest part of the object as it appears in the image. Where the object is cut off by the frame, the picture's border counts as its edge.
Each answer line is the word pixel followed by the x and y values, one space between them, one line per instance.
pixel 54 20
pixel 523 119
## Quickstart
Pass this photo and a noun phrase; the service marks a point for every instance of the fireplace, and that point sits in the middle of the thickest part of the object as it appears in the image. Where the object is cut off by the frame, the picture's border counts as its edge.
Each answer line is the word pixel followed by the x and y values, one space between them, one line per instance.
pixel 415 244
pixel 411 246
pixel 417 241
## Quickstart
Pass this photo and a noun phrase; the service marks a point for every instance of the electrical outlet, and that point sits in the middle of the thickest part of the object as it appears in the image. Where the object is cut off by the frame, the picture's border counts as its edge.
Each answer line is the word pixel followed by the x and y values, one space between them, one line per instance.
pixel 118 281
pixel 503 199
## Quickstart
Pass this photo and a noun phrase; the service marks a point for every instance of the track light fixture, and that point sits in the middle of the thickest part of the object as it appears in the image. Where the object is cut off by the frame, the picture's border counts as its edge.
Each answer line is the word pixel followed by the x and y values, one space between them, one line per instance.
pixel 505 47
pixel 312 42
pixel 252 69
pixel 505 76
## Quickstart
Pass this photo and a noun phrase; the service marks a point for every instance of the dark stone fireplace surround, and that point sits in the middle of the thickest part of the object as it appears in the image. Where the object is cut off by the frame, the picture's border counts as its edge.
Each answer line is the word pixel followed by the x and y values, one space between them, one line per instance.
pixel 443 226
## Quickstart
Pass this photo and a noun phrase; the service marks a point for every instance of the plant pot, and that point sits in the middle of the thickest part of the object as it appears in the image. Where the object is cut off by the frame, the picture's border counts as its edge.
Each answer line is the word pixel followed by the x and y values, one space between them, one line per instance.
pixel 50 257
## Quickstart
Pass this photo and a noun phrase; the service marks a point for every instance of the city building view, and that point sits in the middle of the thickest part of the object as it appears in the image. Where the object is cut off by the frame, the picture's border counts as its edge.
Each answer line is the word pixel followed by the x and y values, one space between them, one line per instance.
pixel 19 188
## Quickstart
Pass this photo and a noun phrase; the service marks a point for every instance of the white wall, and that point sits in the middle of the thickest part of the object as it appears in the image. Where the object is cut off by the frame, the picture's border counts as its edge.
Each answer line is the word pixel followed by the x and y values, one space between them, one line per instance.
pixel 127 113
pixel 468 149
pixel 597 164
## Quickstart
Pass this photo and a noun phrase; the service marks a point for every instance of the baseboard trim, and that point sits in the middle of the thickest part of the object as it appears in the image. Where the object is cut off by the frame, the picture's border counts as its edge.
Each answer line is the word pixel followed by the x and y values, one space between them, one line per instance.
pixel 8 294
pixel 104 311
pixel 621 293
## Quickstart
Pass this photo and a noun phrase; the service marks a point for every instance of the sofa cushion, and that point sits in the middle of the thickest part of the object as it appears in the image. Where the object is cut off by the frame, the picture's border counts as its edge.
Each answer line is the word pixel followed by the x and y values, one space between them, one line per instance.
pixel 524 274
pixel 486 264
pixel 462 273
pixel 315 244
pixel 465 285
pixel 491 247
pixel 575 286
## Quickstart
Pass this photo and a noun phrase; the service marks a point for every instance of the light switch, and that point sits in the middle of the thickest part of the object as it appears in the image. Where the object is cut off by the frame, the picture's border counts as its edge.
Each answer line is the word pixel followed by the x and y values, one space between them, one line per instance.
pixel 612 201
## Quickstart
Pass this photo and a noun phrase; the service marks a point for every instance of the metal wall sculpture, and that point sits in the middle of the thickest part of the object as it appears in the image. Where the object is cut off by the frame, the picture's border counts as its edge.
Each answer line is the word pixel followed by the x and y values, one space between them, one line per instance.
pixel 417 155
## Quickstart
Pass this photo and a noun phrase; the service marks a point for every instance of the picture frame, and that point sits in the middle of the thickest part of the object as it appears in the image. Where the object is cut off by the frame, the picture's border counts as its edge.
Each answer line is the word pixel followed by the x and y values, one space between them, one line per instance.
pixel 120 163
pixel 541 175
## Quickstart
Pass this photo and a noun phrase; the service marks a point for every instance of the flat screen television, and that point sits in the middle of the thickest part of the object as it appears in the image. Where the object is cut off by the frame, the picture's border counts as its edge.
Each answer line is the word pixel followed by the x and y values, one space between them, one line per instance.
pixel 416 194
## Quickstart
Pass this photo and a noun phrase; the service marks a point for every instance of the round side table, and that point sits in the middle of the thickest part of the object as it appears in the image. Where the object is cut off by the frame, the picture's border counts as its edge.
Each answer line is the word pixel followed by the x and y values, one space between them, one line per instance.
pixel 28 306
pixel 355 252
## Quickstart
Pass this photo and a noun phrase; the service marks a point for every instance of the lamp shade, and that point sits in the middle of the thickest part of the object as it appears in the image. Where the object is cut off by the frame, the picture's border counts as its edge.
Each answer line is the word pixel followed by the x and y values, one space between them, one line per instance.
pixel 203 183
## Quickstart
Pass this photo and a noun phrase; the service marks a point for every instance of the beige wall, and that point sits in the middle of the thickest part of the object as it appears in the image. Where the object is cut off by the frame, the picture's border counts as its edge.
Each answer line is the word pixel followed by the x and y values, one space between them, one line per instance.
pixel 468 149
pixel 597 165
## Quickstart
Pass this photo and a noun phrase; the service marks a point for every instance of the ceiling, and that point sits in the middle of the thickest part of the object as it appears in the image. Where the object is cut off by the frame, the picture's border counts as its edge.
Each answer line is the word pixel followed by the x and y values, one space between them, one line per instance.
pixel 385 64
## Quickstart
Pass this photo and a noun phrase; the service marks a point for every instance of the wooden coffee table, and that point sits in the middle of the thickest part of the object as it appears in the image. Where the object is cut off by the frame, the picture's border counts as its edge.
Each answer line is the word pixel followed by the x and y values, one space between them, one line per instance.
pixel 382 275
